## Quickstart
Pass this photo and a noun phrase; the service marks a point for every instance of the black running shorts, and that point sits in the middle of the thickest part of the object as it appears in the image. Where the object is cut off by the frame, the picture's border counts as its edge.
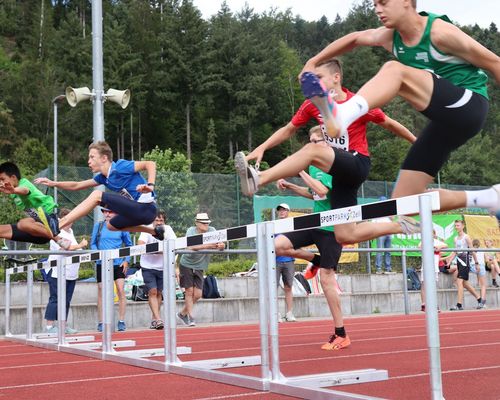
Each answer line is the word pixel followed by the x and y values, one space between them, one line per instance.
pixel 130 212
pixel 456 115
pixel 349 171
pixel 329 249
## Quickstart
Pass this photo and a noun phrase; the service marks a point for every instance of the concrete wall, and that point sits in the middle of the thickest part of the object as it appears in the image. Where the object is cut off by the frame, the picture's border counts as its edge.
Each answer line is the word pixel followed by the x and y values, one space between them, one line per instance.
pixel 363 294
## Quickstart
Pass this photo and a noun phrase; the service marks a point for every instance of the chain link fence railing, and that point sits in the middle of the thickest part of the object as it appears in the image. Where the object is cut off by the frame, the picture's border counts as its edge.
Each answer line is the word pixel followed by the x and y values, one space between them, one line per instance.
pixel 182 195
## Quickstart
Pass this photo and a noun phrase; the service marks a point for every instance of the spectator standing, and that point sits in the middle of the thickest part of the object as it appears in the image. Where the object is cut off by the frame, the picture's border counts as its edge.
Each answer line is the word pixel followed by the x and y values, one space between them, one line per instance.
pixel 383 242
pixel 192 267
pixel 438 246
pixel 492 263
pixel 71 276
pixel 105 239
pixel 152 269
pixel 463 241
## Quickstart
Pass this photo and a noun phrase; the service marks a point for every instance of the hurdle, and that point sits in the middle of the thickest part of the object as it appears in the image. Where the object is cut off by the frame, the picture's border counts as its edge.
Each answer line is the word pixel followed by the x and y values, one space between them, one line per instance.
pixel 271 377
pixel 80 345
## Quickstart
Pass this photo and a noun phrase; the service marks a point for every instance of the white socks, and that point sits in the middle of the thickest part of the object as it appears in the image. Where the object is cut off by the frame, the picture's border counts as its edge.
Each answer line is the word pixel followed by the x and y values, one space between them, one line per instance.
pixel 487 198
pixel 352 109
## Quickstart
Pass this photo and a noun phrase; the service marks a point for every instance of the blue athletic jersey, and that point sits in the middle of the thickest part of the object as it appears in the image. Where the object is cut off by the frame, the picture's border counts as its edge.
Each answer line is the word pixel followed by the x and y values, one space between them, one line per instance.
pixel 108 240
pixel 123 178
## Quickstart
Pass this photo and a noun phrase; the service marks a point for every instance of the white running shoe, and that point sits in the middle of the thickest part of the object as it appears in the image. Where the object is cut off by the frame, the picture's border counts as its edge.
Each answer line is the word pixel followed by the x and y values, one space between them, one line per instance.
pixel 249 178
pixel 289 317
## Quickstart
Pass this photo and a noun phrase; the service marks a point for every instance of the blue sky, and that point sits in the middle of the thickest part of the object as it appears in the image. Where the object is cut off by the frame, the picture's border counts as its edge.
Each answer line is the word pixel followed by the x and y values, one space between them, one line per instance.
pixel 458 10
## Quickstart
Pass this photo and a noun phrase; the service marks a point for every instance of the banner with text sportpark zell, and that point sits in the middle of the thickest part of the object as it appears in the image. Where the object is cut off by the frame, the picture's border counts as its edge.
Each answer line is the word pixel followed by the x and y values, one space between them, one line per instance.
pixel 444 226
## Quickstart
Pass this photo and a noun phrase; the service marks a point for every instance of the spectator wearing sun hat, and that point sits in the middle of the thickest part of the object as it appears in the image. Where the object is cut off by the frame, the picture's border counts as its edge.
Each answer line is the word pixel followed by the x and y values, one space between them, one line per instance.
pixel 192 267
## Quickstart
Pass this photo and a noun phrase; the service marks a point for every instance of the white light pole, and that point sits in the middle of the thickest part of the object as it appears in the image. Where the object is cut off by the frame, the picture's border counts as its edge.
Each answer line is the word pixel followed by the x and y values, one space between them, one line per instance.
pixel 56 101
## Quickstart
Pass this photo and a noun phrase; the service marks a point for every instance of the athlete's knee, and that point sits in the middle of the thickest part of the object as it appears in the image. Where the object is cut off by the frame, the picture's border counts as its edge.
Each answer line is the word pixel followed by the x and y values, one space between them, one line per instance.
pixel 345 238
pixel 282 246
pixel 392 66
pixel 96 195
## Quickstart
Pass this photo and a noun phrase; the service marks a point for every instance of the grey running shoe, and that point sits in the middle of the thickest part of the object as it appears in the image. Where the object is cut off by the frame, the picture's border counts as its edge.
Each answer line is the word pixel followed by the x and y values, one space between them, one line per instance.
pixel 409 225
pixel 70 331
pixel 480 306
pixel 159 324
pixel 183 318
pixel 191 320
pixel 457 308
pixel 249 178
pixel 496 210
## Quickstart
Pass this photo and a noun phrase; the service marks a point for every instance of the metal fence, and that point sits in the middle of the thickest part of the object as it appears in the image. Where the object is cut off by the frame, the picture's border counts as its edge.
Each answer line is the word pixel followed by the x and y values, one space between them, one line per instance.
pixel 182 195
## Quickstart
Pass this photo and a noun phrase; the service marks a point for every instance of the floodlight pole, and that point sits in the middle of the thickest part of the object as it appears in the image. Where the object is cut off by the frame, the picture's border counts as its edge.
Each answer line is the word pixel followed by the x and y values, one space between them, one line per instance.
pixel 97 71
pixel 56 101
pixel 97 83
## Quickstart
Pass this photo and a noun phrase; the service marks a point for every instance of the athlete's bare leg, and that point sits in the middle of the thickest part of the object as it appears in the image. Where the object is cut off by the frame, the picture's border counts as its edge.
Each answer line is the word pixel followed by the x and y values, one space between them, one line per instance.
pixel 395 79
pixel 284 247
pixel 82 209
pixel 416 182
pixel 29 225
pixel 329 285
pixel 311 154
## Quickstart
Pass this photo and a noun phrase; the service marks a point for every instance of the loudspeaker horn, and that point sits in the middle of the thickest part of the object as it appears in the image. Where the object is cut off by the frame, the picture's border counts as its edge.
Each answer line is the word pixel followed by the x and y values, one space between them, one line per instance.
pixel 121 97
pixel 75 95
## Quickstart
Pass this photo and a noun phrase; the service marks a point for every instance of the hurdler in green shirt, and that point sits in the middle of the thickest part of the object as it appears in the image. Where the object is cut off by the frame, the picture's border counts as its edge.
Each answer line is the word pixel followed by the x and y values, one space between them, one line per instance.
pixel 34 199
pixel 321 203
pixel 41 224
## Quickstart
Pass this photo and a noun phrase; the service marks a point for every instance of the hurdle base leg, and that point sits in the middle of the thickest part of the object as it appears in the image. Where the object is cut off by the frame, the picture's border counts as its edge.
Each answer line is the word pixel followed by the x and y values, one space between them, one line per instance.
pixel 98 345
pixel 339 378
pixel 158 352
pixel 221 363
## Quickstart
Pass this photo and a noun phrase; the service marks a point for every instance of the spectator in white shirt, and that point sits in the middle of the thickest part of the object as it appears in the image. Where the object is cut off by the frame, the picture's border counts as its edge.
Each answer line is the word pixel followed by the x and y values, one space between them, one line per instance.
pixel 71 276
pixel 152 270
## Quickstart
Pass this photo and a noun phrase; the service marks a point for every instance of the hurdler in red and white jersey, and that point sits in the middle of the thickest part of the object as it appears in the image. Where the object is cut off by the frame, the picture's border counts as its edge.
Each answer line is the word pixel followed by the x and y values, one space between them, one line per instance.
pixel 355 140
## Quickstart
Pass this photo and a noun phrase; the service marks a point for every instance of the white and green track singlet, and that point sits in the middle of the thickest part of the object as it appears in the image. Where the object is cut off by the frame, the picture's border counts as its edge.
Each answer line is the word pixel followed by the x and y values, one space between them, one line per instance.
pixel 426 56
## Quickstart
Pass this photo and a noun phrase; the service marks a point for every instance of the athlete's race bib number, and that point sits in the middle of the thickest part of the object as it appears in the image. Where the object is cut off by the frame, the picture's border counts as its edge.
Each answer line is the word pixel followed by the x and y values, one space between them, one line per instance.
pixel 341 142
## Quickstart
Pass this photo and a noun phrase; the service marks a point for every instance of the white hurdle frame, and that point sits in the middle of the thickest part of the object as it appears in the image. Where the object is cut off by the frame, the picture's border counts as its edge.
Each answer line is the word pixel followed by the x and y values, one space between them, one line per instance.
pixel 271 379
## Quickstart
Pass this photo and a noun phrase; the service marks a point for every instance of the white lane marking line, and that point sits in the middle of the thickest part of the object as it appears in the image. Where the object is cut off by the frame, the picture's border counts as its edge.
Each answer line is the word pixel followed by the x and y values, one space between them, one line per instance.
pixel 80 380
pixel 25 354
pixel 50 364
pixel 451 371
pixel 233 396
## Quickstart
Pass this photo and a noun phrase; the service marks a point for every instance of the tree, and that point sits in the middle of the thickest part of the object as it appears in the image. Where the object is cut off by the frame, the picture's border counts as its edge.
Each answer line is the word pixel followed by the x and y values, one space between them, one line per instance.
pixel 175 188
pixel 212 163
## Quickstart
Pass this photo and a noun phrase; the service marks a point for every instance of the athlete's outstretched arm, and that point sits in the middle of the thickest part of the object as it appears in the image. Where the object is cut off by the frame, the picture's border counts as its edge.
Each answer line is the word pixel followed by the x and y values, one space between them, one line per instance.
pixel 371 37
pixel 398 129
pixel 150 168
pixel 278 137
pixel 67 185
pixel 451 40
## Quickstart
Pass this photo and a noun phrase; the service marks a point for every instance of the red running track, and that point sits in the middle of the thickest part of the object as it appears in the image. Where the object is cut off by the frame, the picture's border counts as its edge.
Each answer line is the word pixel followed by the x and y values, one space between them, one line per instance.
pixel 470 358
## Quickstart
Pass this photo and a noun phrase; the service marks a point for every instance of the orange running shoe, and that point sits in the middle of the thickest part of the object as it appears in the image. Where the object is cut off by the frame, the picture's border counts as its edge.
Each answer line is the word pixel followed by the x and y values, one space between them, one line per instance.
pixel 311 271
pixel 337 343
